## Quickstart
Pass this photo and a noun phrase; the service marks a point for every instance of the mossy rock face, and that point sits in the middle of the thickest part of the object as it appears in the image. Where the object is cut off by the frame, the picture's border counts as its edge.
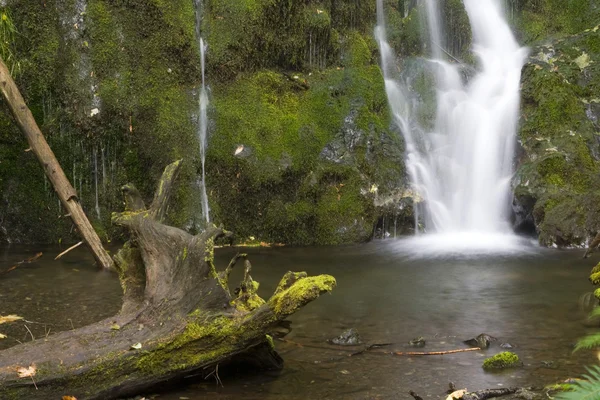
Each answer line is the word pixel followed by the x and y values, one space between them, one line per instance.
pixel 502 360
pixel 293 157
pixel 301 128
pixel 110 83
pixel 556 183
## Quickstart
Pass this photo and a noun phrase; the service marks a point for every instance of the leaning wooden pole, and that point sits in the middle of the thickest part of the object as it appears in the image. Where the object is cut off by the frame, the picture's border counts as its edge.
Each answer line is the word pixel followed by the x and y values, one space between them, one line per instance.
pixel 52 169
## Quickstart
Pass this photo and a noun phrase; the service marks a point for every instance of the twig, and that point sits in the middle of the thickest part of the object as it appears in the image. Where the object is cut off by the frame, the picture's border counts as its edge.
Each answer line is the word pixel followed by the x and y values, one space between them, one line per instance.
pixel 26 261
pixel 376 345
pixel 36 388
pixel 432 353
pixel 26 327
pixel 216 374
pixel 68 250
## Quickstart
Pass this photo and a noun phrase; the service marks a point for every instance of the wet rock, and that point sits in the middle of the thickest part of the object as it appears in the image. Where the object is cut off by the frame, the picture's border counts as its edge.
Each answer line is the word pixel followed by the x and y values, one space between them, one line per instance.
pixel 525 394
pixel 482 341
pixel 506 346
pixel 349 337
pixel 417 342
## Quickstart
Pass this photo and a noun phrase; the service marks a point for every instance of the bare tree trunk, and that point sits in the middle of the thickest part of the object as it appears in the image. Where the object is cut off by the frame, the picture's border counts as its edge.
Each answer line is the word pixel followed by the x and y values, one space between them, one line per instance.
pixel 66 193
pixel 178 315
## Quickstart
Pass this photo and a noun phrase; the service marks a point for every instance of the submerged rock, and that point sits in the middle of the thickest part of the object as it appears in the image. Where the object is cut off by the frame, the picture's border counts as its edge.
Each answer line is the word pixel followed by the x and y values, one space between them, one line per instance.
pixel 349 337
pixel 502 361
pixel 417 342
pixel 506 346
pixel 482 341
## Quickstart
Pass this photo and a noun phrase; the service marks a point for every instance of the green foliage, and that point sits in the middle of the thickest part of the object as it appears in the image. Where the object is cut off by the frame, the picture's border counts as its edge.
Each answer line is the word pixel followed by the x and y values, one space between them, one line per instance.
pixel 588 342
pixel 587 389
pixel 8 32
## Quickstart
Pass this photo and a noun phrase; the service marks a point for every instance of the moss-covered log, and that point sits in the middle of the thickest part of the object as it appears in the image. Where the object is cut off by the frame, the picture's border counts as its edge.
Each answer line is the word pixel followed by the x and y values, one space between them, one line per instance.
pixel 178 315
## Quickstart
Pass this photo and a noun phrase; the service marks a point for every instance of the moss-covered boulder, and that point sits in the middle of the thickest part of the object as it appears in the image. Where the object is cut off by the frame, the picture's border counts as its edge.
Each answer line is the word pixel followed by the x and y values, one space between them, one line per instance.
pixel 502 361
pixel 556 185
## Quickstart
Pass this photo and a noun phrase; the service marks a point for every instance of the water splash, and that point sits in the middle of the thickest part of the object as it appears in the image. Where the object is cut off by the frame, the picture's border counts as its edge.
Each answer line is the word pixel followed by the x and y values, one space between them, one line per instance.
pixel 463 167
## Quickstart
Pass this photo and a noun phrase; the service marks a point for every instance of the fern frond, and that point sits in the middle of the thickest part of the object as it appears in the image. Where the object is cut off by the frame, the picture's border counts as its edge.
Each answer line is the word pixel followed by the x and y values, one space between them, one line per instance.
pixel 588 342
pixel 588 389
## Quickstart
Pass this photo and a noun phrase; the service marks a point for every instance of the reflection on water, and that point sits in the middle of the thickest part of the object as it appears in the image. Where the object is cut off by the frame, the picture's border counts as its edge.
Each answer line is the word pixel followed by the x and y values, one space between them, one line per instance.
pixel 529 300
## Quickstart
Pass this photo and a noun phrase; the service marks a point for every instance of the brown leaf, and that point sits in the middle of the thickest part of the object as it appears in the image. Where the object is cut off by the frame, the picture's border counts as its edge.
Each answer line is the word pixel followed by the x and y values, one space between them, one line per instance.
pixel 28 372
pixel 69 398
pixel 9 318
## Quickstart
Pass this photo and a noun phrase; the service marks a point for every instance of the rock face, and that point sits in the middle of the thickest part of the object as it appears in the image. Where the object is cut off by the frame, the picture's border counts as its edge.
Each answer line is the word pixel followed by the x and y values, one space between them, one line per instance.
pixel 295 87
pixel 556 184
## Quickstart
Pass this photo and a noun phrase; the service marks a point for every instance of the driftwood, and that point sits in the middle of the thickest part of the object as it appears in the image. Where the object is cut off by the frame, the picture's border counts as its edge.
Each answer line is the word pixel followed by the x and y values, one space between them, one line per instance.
pixel 68 250
pixel 490 393
pixel 66 193
pixel 479 395
pixel 178 316
pixel 26 261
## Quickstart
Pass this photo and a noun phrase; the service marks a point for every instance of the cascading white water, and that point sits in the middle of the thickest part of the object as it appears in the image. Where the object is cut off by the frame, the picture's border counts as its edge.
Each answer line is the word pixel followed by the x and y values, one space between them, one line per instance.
pixel 462 169
pixel 202 113
pixel 202 128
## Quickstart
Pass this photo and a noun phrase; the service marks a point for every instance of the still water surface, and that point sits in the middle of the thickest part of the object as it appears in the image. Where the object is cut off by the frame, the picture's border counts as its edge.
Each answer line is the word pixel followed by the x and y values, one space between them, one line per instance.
pixel 531 300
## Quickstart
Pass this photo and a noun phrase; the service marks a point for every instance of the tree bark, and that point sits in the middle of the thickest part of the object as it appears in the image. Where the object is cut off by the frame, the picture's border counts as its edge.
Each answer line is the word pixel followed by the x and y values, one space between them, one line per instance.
pixel 176 305
pixel 66 193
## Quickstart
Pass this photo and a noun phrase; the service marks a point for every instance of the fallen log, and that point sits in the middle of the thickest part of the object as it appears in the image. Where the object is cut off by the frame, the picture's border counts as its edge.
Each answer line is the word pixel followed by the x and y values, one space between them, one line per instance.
pixel 66 193
pixel 178 316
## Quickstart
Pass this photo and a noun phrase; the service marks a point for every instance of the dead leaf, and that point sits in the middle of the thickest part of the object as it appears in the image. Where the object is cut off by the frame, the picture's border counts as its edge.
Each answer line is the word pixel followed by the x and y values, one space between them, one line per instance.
pixel 457 394
pixel 9 318
pixel 115 327
pixel 136 346
pixel 2 336
pixel 28 372
pixel 69 398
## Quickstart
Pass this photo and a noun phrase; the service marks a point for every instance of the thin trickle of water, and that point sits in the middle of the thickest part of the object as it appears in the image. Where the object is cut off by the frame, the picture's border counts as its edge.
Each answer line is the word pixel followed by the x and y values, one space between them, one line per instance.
pixel 202 114
pixel 97 204
pixel 462 169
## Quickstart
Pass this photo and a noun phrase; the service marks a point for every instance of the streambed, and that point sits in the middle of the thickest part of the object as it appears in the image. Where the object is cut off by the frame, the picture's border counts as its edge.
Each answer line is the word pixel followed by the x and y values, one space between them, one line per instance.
pixel 529 299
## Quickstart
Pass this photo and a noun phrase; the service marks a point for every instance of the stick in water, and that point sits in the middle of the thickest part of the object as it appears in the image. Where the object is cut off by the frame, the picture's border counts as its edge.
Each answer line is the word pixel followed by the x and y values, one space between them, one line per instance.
pixel 68 250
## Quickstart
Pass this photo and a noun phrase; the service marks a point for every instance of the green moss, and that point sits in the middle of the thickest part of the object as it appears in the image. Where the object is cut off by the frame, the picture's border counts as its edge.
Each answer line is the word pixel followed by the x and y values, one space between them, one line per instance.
pixel 502 360
pixel 287 301
pixel 270 341
pixel 281 188
pixel 539 19
pixel 559 387
pixel 217 336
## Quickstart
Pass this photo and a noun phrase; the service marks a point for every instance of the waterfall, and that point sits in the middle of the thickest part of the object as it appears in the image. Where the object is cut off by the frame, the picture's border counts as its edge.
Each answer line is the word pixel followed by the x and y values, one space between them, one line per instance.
pixel 202 114
pixel 463 167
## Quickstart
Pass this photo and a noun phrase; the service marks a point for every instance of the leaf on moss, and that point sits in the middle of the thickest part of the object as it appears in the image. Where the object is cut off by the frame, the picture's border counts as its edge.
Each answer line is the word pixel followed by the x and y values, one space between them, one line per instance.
pixel 2 336
pixel 28 372
pixel 583 61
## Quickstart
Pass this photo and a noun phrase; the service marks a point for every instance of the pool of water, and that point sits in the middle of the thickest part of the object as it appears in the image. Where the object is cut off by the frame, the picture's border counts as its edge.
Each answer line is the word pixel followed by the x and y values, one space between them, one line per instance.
pixel 531 300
